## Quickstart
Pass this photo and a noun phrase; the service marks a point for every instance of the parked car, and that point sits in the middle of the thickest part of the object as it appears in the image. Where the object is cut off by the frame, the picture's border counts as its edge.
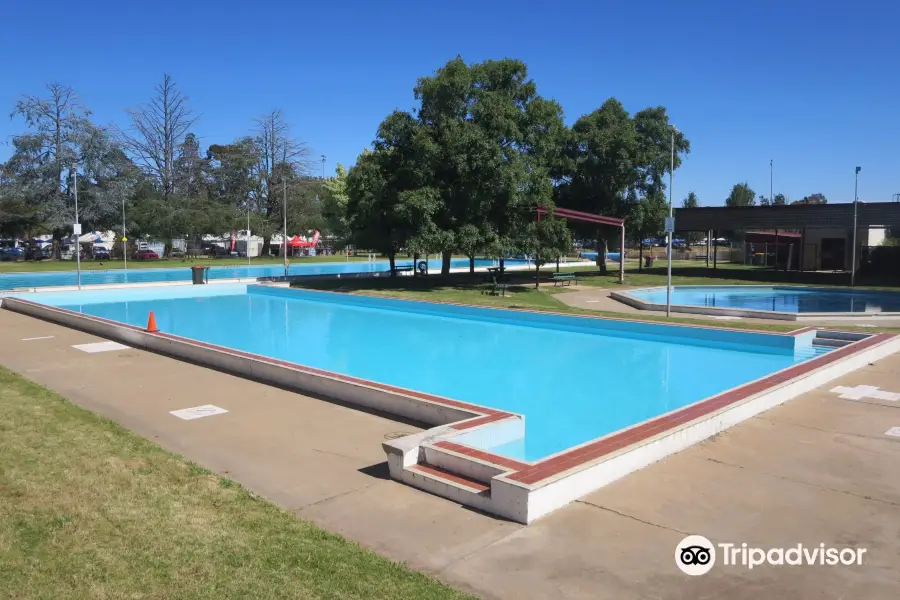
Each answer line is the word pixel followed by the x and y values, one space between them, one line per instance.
pixel 35 251
pixel 147 255
pixel 220 252
pixel 12 254
pixel 100 253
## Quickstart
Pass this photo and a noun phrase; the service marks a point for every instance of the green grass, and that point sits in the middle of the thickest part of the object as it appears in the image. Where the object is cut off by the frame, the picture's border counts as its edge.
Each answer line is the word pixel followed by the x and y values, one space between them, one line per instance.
pixel 462 288
pixel 90 510
pixel 163 263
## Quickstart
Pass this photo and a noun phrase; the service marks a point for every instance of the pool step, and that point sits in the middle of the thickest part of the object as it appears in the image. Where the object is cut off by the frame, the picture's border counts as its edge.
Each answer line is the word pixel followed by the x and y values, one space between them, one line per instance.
pixel 830 342
pixel 836 339
pixel 445 476
pixel 451 486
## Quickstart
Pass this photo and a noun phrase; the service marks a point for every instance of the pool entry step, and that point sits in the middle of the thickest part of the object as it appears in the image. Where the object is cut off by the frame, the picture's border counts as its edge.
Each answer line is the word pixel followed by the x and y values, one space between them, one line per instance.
pixel 836 339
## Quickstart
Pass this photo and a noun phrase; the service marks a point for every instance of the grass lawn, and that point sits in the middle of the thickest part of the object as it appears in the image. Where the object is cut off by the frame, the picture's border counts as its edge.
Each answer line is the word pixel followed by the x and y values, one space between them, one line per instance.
pixel 462 288
pixel 163 263
pixel 89 509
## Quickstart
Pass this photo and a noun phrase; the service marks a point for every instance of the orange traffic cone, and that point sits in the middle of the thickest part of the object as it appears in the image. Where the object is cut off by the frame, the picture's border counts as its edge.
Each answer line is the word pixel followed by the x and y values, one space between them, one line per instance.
pixel 151 323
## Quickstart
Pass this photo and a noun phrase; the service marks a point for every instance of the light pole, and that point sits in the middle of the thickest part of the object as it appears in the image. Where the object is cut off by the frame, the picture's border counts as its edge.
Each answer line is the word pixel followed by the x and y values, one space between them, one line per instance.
pixel 284 241
pixel 771 178
pixel 323 167
pixel 671 226
pixel 77 228
pixel 124 237
pixel 855 207
pixel 247 245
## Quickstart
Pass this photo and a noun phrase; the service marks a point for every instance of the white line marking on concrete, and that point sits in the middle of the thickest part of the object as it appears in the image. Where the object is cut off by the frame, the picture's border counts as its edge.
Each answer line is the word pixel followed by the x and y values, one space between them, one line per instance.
pixel 865 391
pixel 591 301
pixel 727 318
pixel 198 412
pixel 43 337
pixel 893 431
pixel 100 347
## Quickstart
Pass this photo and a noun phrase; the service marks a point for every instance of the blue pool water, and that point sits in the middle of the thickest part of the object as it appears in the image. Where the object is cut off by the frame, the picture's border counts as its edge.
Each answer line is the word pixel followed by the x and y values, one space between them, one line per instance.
pixel 610 256
pixel 573 379
pixel 778 298
pixel 10 281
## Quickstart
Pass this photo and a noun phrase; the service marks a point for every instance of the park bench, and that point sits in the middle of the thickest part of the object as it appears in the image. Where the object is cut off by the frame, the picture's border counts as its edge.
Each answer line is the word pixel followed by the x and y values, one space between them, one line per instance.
pixel 497 286
pixel 564 278
pixel 403 269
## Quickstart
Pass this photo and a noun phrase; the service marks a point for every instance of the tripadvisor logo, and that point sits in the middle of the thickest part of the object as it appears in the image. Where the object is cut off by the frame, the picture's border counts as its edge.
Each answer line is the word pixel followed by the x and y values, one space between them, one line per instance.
pixel 696 555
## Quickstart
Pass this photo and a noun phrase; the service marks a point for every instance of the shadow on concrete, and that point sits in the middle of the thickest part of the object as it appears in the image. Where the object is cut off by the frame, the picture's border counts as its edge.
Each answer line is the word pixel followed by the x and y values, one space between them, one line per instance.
pixel 378 471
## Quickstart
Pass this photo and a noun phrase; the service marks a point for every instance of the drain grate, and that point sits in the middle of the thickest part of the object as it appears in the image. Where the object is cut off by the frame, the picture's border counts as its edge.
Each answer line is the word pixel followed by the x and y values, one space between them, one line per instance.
pixel 397 434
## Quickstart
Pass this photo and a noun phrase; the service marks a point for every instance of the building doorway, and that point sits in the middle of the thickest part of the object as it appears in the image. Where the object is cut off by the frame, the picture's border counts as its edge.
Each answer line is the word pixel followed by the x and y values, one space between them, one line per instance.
pixel 834 254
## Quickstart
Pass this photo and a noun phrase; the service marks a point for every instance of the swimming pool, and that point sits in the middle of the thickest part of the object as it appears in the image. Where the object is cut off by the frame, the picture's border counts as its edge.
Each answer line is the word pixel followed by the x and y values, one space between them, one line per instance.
pixel 11 281
pixel 778 299
pixel 573 379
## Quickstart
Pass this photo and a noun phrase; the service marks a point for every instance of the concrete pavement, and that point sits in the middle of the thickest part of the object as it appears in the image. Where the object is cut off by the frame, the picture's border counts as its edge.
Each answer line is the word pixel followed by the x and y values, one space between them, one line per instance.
pixel 817 470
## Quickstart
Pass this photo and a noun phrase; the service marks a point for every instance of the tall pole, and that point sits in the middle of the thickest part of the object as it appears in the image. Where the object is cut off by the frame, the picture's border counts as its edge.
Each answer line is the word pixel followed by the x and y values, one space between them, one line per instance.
pixel 284 242
pixel 77 229
pixel 247 245
pixel 771 178
pixel 323 167
pixel 670 233
pixel 124 237
pixel 855 206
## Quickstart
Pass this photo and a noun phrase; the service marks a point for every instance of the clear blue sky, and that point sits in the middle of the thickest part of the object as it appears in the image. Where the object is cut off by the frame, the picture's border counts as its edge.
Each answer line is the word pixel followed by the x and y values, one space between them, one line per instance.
pixel 814 85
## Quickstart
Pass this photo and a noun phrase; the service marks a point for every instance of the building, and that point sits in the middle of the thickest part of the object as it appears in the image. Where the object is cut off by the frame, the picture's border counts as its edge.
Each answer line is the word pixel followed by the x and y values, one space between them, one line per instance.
pixel 822 234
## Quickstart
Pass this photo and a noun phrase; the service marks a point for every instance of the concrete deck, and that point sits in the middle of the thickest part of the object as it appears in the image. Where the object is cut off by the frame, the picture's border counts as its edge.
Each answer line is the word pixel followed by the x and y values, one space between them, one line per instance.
pixel 816 470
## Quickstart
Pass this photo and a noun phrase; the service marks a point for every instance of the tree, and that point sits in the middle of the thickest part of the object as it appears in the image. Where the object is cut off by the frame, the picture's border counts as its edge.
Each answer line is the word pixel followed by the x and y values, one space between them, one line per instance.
pixel 763 200
pixel 488 140
pixel 389 203
pixel 608 153
pixel 40 169
pixel 157 130
pixel 780 200
pixel 690 201
pixel 812 199
pixel 548 239
pixel 280 157
pixel 646 218
pixel 334 205
pixel 741 195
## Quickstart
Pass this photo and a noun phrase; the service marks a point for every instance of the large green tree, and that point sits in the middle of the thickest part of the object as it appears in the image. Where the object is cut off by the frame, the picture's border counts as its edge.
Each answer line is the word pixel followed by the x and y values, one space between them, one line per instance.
pixel 490 141
pixel 390 205
pixel 608 154
pixel 334 205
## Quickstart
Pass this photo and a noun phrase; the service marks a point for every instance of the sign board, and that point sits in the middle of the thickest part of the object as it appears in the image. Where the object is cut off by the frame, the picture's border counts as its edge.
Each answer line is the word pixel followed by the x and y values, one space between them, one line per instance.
pixel 124 239
pixel 670 224
pixel 76 229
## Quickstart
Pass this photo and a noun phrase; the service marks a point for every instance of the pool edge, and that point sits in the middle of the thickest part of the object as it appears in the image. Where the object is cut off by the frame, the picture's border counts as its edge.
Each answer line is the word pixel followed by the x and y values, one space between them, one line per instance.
pixel 517 490
pixel 629 299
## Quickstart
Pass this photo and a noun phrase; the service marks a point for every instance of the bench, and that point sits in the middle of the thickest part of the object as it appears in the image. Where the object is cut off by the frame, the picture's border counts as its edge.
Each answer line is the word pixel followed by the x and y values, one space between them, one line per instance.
pixel 496 286
pixel 403 269
pixel 564 278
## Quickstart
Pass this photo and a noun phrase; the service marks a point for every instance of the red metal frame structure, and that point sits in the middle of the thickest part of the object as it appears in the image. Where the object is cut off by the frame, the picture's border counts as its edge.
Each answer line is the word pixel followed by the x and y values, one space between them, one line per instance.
pixel 577 215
